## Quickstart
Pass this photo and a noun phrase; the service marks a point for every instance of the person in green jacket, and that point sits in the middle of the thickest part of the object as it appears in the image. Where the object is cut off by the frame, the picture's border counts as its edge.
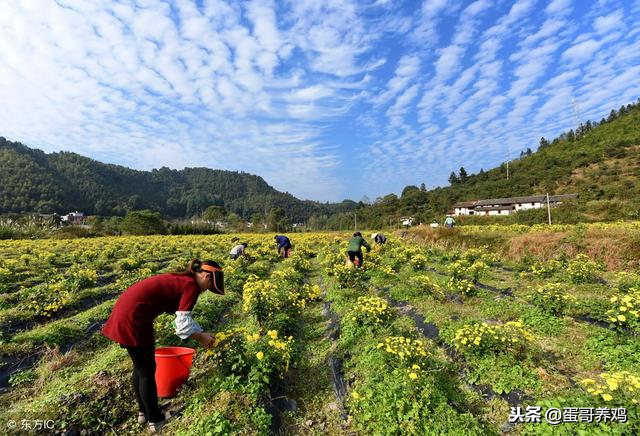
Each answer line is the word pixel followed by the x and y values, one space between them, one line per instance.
pixel 449 222
pixel 354 249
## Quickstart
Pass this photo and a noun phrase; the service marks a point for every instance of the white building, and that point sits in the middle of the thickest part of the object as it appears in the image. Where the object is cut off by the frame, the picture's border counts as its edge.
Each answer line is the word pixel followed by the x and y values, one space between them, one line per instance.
pixel 507 206
pixel 73 218
pixel 407 221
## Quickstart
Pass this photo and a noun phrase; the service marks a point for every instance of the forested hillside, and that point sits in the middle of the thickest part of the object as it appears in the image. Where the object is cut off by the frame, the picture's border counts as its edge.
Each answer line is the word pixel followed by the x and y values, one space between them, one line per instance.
pixel 33 181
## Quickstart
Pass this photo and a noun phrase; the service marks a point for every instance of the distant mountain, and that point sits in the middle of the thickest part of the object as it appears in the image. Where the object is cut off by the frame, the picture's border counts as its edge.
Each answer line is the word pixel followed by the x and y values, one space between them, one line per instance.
pixel 34 181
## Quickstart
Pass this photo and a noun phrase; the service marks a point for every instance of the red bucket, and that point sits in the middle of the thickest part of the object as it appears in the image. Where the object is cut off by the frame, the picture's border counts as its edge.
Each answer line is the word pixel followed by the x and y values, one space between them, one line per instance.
pixel 172 369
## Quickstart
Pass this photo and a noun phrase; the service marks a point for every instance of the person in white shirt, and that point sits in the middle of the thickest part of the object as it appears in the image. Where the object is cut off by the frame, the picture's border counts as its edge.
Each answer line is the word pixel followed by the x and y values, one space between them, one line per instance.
pixel 238 250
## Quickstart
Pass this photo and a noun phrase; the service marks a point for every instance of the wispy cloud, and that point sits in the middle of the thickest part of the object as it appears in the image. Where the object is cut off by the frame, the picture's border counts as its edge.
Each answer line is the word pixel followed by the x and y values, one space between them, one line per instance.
pixel 297 91
pixel 524 72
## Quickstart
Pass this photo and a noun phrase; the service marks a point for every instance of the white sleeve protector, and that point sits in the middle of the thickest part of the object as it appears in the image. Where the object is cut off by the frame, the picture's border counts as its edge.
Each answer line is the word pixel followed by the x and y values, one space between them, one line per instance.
pixel 185 325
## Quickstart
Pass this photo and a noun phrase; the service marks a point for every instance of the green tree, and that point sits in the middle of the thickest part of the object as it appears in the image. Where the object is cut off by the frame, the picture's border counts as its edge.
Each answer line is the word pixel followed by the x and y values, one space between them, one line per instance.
pixel 275 219
pixel 236 222
pixel 463 176
pixel 408 189
pixel 453 179
pixel 257 221
pixel 543 143
pixel 214 214
pixel 143 222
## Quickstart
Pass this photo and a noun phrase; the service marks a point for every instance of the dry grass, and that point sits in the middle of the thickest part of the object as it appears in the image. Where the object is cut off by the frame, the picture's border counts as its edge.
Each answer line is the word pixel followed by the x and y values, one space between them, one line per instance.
pixel 624 167
pixel 449 239
pixel 54 360
pixel 544 245
pixel 617 248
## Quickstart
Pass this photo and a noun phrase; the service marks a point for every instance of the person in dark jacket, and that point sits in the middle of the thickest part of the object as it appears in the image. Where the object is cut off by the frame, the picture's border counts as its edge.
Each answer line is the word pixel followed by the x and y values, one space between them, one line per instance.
pixel 131 325
pixel 284 245
pixel 354 249
pixel 379 238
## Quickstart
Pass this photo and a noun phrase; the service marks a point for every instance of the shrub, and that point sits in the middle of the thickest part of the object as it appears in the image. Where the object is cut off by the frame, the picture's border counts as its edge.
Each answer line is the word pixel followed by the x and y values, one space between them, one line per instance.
pixel 483 338
pixel 424 285
pixel 625 310
pixel 552 297
pixel 80 278
pixel 418 261
pixel 582 269
pixel 461 286
pixel 347 276
pixel 619 387
pixel 259 297
pixel 370 311
pixel 545 269
pixel 626 281
pixel 46 299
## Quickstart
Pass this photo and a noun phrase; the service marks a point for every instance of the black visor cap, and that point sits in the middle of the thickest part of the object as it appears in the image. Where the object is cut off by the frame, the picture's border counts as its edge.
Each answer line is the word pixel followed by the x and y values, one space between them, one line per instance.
pixel 218 282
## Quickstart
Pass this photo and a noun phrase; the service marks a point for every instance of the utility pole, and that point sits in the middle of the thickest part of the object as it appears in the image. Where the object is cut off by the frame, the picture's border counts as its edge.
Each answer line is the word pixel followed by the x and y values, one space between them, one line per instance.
pixel 576 113
pixel 355 221
pixel 548 209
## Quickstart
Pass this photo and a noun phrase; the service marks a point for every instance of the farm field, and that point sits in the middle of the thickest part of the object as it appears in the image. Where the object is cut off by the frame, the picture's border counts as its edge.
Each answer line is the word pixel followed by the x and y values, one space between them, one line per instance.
pixel 424 339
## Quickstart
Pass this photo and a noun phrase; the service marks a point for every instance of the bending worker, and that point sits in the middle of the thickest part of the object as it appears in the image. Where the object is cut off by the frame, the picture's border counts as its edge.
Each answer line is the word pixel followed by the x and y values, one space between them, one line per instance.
pixel 238 250
pixel 379 238
pixel 131 325
pixel 284 245
pixel 354 249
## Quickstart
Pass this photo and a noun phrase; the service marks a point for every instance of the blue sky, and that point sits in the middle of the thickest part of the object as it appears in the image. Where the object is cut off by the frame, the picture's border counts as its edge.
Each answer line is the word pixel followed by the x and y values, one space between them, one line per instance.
pixel 324 99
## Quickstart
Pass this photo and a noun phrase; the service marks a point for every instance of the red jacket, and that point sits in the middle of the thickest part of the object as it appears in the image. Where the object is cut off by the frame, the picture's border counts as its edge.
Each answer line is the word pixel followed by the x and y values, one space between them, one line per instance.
pixel 131 321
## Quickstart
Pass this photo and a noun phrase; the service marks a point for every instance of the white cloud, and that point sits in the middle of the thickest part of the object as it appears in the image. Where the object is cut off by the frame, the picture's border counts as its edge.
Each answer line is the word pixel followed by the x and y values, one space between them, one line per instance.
pixel 426 31
pixel 398 110
pixel 558 7
pixel 448 61
pixel 609 22
pixel 406 70
pixel 582 51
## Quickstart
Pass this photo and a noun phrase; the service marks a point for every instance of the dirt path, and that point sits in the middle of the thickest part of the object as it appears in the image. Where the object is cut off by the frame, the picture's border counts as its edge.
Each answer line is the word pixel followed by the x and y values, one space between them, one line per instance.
pixel 311 383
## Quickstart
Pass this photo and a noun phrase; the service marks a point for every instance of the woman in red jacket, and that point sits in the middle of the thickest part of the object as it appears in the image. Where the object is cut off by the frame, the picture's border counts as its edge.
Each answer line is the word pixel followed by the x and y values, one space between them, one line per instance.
pixel 131 324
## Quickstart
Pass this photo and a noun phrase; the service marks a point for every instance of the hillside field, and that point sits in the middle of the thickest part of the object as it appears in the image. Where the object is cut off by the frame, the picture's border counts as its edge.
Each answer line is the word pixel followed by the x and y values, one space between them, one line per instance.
pixel 475 330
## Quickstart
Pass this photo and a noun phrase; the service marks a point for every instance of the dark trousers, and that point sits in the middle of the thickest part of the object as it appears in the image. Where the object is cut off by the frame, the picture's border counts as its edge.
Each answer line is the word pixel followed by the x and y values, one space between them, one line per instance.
pixel 354 254
pixel 144 381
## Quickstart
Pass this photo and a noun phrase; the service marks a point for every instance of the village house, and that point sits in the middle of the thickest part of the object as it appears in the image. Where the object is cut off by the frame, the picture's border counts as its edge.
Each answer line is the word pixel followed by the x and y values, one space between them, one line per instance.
pixel 507 206
pixel 75 218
